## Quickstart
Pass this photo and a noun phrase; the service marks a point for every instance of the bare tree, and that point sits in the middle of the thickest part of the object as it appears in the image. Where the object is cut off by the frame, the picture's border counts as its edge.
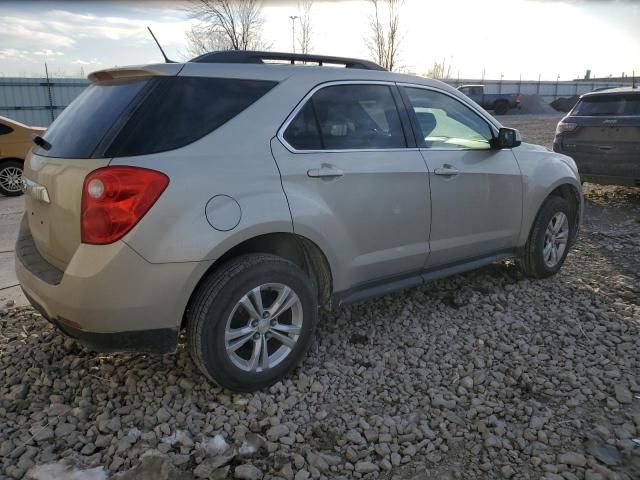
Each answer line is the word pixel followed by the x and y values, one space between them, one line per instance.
pixel 304 14
pixel 440 70
pixel 385 38
pixel 225 25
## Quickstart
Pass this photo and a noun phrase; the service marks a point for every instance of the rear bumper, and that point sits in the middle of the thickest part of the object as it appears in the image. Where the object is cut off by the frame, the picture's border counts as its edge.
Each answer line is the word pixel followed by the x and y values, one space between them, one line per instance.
pixel 603 168
pixel 109 297
pixel 160 340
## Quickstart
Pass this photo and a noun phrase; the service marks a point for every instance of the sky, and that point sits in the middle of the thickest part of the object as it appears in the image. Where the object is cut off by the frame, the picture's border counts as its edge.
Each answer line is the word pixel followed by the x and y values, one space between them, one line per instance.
pixel 510 38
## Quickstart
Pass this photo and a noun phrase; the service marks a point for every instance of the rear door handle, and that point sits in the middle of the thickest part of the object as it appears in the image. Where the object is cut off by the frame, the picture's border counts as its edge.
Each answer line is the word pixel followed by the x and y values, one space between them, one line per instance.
pixel 325 172
pixel 605 148
pixel 446 170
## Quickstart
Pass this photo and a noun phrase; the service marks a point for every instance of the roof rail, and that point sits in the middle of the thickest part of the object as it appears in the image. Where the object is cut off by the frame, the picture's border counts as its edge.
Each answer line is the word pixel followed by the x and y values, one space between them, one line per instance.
pixel 248 56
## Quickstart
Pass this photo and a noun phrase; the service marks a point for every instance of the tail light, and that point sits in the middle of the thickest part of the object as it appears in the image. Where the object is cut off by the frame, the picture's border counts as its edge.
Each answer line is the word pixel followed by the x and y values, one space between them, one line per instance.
pixel 518 98
pixel 114 199
pixel 565 127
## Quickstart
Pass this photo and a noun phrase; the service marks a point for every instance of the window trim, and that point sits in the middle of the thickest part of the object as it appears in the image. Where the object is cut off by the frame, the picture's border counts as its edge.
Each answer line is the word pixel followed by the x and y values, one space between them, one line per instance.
pixel 407 130
pixel 493 125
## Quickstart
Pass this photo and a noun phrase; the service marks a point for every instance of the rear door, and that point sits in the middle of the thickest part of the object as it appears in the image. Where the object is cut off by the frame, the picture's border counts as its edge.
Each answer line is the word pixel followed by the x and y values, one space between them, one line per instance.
pixel 607 140
pixel 353 183
pixel 476 190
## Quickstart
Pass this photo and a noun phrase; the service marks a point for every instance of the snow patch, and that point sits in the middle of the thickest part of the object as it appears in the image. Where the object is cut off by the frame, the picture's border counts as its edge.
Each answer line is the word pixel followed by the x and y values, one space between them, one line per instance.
pixel 58 471
pixel 179 436
pixel 213 446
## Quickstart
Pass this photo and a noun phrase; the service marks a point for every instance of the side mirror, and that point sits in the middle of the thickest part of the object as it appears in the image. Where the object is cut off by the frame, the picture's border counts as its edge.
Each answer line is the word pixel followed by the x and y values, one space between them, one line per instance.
pixel 508 138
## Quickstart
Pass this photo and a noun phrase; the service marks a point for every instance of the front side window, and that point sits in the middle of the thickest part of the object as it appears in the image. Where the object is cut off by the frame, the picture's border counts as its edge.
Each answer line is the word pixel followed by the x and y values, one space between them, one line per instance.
pixel 5 129
pixel 446 123
pixel 348 117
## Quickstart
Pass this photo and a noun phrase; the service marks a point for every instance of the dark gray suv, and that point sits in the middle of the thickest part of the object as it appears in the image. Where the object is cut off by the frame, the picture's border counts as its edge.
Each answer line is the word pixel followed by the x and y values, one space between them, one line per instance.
pixel 602 135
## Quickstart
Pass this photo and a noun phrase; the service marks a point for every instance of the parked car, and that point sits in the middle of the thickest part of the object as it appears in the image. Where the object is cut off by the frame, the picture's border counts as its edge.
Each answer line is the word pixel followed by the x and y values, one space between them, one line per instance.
pixel 234 198
pixel 500 103
pixel 15 142
pixel 602 134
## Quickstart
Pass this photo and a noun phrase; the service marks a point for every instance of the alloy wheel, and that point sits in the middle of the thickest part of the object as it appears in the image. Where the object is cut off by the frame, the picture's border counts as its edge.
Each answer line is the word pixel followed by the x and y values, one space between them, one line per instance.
pixel 11 179
pixel 263 327
pixel 556 237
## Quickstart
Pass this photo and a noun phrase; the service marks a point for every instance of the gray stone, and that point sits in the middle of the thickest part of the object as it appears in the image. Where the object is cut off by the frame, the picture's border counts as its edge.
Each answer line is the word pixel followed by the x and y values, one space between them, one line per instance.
pixel 276 432
pixel 247 472
pixel 603 452
pixel 572 458
pixel 366 467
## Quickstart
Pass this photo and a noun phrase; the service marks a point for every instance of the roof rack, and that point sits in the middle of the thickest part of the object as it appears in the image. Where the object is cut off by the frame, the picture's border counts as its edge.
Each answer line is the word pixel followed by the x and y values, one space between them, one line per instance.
pixel 247 56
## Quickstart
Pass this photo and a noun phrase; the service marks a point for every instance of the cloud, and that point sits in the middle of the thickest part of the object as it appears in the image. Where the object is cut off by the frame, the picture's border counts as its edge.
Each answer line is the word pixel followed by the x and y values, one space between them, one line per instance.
pixel 30 33
pixel 86 62
pixel 47 53
pixel 7 53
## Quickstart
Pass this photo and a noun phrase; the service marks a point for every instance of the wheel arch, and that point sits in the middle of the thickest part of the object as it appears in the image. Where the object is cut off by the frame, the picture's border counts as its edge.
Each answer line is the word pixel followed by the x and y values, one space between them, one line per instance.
pixel 8 159
pixel 293 247
pixel 570 192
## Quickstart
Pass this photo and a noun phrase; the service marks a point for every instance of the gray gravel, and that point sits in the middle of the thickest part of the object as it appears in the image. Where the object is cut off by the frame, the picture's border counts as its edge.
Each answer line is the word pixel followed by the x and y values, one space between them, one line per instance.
pixel 484 375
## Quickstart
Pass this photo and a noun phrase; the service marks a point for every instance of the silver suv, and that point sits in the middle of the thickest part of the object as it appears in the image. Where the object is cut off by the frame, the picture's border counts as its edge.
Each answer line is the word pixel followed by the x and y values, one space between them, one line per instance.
pixel 234 196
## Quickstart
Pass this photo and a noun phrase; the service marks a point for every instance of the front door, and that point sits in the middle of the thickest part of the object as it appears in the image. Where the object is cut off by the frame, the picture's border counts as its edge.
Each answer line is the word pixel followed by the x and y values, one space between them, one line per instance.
pixel 352 184
pixel 476 190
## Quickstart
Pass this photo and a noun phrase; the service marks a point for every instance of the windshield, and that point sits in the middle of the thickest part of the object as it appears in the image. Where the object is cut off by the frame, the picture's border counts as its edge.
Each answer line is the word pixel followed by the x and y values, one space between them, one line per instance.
pixel 608 105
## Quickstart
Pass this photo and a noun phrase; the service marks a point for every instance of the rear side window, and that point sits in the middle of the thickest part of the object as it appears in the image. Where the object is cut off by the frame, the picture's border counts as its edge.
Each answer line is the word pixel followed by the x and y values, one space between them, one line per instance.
pixel 5 129
pixel 180 110
pixel 151 115
pixel 348 117
pixel 608 106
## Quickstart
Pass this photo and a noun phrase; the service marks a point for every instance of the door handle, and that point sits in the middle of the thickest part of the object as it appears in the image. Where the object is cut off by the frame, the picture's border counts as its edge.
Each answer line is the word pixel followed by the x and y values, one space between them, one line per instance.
pixel 446 170
pixel 325 172
pixel 605 148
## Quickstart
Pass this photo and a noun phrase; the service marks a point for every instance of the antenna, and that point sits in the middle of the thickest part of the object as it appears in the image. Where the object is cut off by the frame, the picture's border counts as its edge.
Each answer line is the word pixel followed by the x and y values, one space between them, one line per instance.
pixel 166 60
pixel 633 80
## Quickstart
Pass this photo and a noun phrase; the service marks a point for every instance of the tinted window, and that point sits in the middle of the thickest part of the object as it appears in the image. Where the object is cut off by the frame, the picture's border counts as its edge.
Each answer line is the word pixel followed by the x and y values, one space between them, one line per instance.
pixel 447 123
pixel 83 124
pixel 179 110
pixel 137 117
pixel 5 129
pixel 346 117
pixel 303 133
pixel 608 105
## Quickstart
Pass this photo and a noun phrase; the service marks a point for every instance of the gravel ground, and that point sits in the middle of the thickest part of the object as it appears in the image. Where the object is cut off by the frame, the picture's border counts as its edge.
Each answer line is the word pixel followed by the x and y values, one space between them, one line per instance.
pixel 483 375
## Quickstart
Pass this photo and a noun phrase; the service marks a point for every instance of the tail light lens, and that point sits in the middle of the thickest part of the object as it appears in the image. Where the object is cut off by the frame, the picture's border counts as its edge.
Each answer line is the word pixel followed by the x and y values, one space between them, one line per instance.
pixel 114 199
pixel 565 127
pixel 518 98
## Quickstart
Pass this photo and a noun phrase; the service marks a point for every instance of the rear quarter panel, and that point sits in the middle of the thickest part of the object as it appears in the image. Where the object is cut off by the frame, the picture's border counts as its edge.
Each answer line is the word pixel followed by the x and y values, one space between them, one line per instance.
pixel 234 160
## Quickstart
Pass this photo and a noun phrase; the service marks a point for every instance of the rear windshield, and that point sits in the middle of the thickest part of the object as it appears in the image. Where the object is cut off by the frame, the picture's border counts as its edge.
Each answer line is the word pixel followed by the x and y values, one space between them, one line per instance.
pixel 150 115
pixel 608 105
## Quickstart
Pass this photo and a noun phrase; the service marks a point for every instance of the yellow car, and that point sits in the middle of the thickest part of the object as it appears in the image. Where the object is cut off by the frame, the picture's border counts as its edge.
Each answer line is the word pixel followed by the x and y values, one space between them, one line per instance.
pixel 15 143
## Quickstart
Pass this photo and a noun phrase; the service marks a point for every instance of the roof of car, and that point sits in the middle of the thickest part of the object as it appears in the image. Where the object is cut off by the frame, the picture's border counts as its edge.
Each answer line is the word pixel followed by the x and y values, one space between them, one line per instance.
pixel 613 91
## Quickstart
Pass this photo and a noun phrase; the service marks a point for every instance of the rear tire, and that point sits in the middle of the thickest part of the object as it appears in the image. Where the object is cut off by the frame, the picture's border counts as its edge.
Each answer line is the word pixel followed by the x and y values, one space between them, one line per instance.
pixel 549 240
pixel 11 178
pixel 501 108
pixel 261 302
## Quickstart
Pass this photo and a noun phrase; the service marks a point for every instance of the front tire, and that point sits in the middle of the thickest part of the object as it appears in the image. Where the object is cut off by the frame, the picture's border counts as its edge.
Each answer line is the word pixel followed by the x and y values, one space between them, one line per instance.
pixel 549 240
pixel 252 321
pixel 11 178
